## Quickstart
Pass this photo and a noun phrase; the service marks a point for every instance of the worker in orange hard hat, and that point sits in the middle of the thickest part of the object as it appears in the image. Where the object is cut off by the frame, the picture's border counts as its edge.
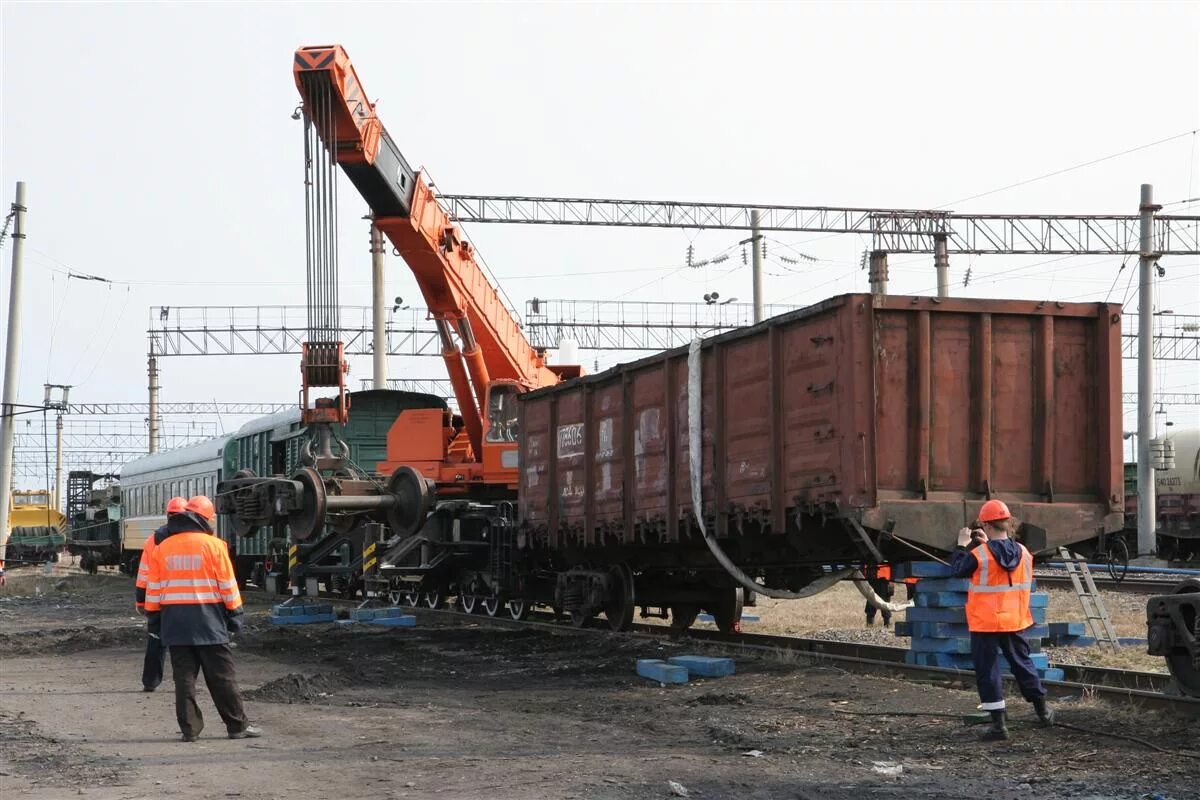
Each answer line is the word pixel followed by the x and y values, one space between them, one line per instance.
pixel 193 604
pixel 156 654
pixel 879 578
pixel 1000 570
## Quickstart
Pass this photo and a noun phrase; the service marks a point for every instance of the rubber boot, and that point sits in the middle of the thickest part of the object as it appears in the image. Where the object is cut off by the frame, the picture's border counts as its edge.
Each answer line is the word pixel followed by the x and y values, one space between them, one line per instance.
pixel 998 730
pixel 1044 712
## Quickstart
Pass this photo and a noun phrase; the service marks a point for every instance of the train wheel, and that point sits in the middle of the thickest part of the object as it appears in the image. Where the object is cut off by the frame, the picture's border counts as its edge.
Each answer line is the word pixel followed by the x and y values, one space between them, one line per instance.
pixel 433 599
pixel 684 616
pixel 468 603
pixel 519 609
pixel 619 609
pixel 394 596
pixel 1118 559
pixel 1182 667
pixel 727 610
pixel 492 605
pixel 412 598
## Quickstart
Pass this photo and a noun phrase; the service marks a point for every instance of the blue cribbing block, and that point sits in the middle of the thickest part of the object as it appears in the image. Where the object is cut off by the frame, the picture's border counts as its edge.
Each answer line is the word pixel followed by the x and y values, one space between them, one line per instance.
pixel 950 660
pixel 1053 674
pixel 1065 629
pixel 940 599
pixel 301 619
pixel 391 611
pixel 281 611
pixel 936 615
pixel 942 585
pixel 1039 615
pixel 363 614
pixel 1039 600
pixel 904 629
pixel 1036 632
pixel 404 621
pixel 920 569
pixel 658 670
pixel 704 666
pixel 940 630
pixel 920 645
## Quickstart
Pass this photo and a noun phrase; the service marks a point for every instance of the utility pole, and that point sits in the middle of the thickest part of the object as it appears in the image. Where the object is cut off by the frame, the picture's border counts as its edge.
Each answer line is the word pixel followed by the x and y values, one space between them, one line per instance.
pixel 8 410
pixel 877 273
pixel 152 370
pixel 1147 514
pixel 378 309
pixel 941 263
pixel 756 260
pixel 58 461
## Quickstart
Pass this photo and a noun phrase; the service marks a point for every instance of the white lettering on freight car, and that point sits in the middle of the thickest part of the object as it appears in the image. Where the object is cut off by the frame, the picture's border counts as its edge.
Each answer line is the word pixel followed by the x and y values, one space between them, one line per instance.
pixel 570 439
pixel 605 433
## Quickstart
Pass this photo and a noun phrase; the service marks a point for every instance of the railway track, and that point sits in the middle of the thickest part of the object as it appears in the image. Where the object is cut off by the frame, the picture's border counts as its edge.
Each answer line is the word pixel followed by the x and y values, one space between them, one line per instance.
pixel 1145 689
pixel 1146 586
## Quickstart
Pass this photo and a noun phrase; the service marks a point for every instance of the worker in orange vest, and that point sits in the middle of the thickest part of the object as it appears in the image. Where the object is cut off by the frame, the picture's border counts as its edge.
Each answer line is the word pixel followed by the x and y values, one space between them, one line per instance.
pixel 156 654
pixel 193 604
pixel 1000 570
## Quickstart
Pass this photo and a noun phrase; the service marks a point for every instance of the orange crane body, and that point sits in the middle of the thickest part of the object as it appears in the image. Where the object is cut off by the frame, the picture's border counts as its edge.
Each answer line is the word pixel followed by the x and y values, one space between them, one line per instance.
pixel 495 360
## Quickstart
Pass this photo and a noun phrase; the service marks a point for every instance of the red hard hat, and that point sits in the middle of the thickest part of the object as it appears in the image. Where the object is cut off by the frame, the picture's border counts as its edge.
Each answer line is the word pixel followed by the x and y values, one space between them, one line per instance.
pixel 203 506
pixel 994 511
pixel 176 505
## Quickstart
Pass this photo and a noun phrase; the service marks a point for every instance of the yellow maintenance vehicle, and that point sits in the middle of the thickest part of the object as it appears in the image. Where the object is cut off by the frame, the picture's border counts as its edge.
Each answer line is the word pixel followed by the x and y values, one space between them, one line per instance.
pixel 37 530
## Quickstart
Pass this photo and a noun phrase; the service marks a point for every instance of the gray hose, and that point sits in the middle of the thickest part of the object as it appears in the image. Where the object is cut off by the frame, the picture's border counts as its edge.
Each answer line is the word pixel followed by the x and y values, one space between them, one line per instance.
pixel 695 449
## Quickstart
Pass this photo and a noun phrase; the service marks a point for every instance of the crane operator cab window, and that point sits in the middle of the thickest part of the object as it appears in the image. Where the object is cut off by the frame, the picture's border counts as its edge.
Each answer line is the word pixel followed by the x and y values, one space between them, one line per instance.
pixel 502 413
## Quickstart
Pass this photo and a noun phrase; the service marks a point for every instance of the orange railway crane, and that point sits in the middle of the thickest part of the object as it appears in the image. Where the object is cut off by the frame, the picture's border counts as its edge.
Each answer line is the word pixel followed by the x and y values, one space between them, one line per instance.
pixel 494 361
pixel 464 465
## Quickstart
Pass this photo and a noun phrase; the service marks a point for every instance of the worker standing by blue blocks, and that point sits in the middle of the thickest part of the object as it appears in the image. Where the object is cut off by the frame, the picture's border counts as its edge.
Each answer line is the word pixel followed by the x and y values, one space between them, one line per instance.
pixel 1001 579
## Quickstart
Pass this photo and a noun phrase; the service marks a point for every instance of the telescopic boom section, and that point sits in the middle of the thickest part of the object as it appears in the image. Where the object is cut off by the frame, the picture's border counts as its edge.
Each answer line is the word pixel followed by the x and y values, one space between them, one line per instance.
pixel 455 288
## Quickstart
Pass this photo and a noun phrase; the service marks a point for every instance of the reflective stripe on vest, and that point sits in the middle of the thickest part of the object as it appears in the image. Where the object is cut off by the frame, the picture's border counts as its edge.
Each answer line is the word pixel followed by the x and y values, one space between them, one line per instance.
pixel 998 600
pixel 191 569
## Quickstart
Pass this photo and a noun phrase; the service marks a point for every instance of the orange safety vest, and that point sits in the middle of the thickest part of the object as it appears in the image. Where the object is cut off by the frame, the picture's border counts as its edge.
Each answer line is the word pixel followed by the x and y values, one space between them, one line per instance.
pixel 143 573
pixel 998 600
pixel 189 569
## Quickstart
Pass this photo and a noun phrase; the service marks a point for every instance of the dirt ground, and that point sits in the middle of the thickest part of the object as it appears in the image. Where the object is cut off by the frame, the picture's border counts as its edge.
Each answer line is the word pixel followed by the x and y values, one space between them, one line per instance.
pixel 458 709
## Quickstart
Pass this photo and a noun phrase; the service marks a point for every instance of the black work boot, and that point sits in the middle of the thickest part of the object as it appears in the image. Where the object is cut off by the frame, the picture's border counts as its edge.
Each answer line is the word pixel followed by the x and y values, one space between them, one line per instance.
pixel 998 730
pixel 1044 712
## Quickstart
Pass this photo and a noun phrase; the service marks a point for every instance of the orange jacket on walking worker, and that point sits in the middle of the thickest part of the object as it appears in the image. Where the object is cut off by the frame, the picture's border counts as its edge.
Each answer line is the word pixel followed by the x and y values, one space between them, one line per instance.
pixel 176 505
pixel 192 596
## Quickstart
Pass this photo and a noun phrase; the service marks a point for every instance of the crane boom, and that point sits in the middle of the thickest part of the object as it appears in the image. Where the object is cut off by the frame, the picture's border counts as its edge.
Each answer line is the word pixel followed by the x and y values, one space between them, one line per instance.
pixel 459 295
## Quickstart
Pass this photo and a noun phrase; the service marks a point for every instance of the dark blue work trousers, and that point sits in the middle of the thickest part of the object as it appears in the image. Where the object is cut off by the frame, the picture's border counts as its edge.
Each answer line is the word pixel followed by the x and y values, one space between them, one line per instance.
pixel 152 665
pixel 985 650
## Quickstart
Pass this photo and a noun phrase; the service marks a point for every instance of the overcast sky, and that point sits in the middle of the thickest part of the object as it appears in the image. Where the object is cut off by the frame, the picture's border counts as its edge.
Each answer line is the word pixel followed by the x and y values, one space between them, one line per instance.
pixel 159 152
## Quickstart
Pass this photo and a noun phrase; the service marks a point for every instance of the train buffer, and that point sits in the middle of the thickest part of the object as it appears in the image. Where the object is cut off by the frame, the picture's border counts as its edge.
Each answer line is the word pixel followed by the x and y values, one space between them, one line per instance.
pixel 1094 611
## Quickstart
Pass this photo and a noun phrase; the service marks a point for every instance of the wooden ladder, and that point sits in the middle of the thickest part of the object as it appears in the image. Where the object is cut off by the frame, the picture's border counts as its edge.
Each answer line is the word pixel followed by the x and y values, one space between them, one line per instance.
pixel 1089 598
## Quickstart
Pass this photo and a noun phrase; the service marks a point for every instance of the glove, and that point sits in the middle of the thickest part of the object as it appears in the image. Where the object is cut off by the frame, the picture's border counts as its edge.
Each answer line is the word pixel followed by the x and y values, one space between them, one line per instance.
pixel 235 621
pixel 154 623
pixel 964 537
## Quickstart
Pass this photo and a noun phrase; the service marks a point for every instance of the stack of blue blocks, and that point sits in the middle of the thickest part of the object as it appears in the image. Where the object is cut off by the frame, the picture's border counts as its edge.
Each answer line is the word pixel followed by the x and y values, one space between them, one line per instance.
pixel 302 613
pixel 393 616
pixel 678 669
pixel 937 624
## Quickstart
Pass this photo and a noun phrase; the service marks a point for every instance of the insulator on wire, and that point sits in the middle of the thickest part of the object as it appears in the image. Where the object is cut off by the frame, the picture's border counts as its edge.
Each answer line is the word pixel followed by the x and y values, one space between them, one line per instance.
pixel 764 247
pixel 691 250
pixel 744 259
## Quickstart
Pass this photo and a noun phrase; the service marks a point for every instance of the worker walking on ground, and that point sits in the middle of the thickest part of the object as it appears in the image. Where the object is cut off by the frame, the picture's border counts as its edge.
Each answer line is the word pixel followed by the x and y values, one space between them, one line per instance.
pixel 1001 579
pixel 879 578
pixel 156 654
pixel 193 604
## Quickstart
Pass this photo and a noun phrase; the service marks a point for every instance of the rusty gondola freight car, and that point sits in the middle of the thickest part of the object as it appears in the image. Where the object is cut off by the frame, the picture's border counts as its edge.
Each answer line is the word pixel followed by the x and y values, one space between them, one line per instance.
pixel 856 429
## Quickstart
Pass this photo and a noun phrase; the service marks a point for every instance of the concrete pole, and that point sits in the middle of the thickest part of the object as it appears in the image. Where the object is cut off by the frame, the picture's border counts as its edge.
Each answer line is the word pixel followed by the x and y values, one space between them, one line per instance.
pixel 1147 514
pixel 152 371
pixel 877 273
pixel 941 262
pixel 378 309
pixel 58 462
pixel 756 261
pixel 11 367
